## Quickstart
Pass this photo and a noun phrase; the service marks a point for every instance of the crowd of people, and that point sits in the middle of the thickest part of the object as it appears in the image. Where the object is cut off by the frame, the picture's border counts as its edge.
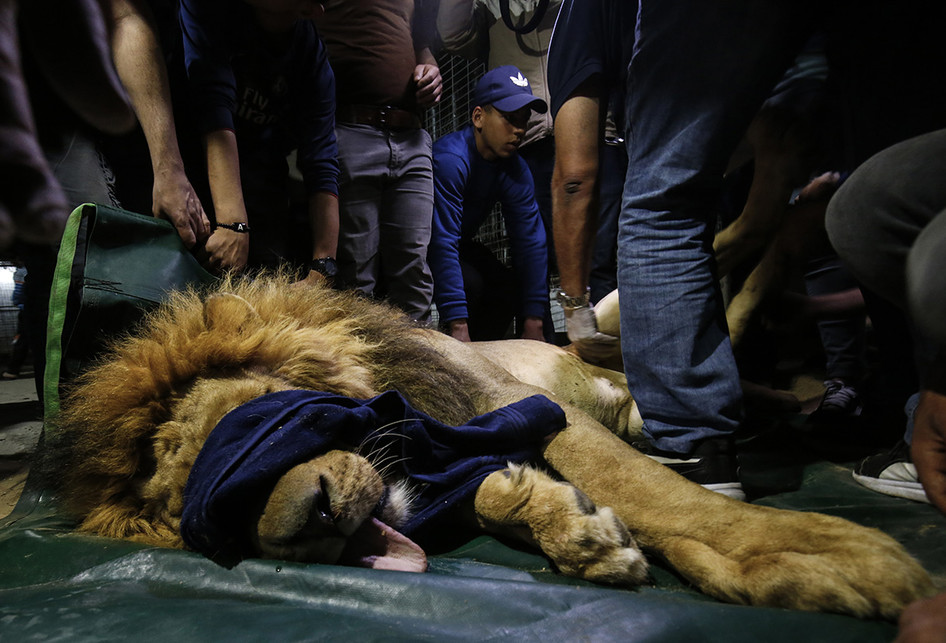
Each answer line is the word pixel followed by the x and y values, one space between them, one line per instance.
pixel 607 141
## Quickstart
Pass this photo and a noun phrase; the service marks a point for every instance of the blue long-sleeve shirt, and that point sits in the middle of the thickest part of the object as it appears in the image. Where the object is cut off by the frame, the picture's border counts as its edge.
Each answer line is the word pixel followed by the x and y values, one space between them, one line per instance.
pixel 466 186
pixel 275 100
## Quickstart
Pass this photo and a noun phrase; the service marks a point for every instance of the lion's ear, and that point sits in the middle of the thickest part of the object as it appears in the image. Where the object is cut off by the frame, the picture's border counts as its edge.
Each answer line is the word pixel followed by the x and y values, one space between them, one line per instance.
pixel 229 313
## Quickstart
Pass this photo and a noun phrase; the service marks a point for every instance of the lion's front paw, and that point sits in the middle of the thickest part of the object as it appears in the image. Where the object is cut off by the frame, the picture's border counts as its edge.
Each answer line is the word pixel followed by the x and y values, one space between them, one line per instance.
pixel 582 540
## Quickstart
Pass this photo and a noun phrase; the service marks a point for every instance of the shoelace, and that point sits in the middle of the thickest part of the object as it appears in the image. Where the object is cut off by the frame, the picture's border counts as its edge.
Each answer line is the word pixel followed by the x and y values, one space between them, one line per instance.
pixel 841 396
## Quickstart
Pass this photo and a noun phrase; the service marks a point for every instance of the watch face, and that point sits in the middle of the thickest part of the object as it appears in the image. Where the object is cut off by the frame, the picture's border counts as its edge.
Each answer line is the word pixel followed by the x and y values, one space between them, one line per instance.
pixel 326 266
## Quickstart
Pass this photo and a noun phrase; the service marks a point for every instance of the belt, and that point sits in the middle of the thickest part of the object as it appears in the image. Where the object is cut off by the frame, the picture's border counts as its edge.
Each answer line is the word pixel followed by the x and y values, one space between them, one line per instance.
pixel 384 117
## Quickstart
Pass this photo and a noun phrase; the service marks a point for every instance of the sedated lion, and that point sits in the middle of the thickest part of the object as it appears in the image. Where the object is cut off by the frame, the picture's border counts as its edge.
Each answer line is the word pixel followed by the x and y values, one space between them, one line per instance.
pixel 133 427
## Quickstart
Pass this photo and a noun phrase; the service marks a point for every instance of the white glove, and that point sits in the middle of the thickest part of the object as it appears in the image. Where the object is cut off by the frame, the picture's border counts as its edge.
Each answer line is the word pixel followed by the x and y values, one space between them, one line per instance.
pixel 592 345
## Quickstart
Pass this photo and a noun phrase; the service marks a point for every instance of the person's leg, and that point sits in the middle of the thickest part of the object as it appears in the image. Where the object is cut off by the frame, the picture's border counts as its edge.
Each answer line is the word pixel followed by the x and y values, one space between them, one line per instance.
pixel 926 272
pixel 20 347
pixel 698 75
pixel 363 158
pixel 888 225
pixel 490 292
pixel 405 223
pixel 843 341
pixel 879 212
pixel 85 177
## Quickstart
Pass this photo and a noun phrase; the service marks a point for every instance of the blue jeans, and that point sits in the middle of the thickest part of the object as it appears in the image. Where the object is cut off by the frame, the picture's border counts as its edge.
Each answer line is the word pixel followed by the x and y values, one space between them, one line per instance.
pixel 844 340
pixel 699 72
pixel 386 203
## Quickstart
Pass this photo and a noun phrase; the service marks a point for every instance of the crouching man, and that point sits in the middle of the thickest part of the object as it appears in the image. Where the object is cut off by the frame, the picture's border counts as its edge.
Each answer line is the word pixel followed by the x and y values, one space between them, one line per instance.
pixel 477 297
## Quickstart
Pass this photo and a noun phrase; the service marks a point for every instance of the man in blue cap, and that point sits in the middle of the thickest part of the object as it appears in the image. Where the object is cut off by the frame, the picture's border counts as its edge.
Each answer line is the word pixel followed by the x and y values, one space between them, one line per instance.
pixel 474 168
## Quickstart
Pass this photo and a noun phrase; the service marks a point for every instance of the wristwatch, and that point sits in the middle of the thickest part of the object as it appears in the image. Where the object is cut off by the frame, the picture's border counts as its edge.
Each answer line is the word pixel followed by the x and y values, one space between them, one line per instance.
pixel 325 266
pixel 570 303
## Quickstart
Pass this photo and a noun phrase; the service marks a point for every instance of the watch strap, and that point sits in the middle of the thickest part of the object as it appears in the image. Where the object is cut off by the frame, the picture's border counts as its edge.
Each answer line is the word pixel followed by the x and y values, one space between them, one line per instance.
pixel 239 226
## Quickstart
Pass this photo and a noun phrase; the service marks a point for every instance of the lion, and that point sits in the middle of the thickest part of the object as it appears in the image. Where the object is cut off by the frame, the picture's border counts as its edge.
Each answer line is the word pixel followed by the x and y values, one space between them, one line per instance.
pixel 135 428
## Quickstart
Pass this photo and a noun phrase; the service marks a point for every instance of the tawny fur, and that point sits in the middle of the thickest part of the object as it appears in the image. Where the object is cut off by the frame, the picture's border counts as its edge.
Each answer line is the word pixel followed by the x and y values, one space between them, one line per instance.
pixel 314 339
pixel 132 427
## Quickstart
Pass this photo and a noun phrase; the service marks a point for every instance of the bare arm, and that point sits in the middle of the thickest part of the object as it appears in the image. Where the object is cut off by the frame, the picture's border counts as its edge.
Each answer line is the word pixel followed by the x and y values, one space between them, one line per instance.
pixel 575 189
pixel 140 66
pixel 228 250
pixel 575 185
pixel 323 221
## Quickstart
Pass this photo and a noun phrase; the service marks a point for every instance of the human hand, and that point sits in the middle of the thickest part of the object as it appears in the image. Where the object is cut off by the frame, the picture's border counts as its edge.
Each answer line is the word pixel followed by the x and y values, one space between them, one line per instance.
pixel 314 278
pixel 532 329
pixel 924 621
pixel 928 447
pixel 429 84
pixel 459 329
pixel 592 345
pixel 174 199
pixel 227 250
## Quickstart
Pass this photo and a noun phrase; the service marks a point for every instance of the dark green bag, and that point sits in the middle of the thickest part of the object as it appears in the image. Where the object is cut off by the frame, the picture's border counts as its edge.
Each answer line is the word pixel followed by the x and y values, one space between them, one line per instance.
pixel 113 266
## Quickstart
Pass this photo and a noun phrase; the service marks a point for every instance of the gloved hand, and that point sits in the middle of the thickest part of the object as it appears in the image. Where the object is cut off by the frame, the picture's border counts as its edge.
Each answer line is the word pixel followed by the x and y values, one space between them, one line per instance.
pixel 592 345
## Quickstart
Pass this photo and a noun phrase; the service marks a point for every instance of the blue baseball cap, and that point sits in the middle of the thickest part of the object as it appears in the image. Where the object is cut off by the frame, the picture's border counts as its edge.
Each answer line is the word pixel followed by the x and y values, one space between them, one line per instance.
pixel 506 89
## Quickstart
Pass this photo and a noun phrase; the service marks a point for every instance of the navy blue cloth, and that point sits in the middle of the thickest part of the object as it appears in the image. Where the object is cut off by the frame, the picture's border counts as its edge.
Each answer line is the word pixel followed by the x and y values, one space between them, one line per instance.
pixel 256 443
pixel 274 99
pixel 591 37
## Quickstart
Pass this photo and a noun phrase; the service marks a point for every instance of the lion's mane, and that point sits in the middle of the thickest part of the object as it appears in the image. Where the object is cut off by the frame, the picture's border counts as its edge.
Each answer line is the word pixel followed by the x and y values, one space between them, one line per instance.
pixel 102 445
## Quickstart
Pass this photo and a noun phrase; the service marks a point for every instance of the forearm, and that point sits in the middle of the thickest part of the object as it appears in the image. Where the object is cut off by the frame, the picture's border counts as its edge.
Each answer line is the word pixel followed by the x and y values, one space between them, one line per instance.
pixel 323 221
pixel 425 57
pixel 574 190
pixel 140 64
pixel 223 173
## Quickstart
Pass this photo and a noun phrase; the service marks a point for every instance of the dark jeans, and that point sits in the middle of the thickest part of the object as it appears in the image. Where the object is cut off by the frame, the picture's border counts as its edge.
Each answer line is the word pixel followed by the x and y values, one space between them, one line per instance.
pixel 604 259
pixel 843 339
pixel 490 289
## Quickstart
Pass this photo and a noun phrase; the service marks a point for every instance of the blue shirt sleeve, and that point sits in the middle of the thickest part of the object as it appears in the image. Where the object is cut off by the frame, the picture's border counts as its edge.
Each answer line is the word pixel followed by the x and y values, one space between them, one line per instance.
pixel 527 238
pixel 207 52
pixel 443 254
pixel 317 158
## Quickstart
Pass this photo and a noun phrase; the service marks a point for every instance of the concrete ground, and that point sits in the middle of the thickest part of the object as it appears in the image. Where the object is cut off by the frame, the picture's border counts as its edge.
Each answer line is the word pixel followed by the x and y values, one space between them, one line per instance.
pixel 20 428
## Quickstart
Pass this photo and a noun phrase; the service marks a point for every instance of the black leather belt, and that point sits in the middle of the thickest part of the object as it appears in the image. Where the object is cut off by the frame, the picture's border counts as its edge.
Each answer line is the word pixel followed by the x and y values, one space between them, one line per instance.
pixel 383 117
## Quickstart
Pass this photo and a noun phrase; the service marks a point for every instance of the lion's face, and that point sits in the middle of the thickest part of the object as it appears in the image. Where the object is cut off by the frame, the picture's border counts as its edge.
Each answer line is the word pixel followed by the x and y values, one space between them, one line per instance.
pixel 334 508
pixel 317 506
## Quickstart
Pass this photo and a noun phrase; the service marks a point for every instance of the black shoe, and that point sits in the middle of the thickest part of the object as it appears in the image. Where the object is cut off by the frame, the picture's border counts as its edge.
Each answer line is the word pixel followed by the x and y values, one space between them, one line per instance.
pixel 891 472
pixel 840 402
pixel 712 465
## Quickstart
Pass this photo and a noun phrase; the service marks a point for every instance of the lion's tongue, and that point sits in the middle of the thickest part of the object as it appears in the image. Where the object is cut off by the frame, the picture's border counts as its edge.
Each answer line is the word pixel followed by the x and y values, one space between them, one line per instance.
pixel 378 546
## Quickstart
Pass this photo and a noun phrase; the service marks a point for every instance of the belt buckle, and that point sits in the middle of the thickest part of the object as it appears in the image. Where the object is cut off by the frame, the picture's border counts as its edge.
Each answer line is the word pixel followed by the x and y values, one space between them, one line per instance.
pixel 383 116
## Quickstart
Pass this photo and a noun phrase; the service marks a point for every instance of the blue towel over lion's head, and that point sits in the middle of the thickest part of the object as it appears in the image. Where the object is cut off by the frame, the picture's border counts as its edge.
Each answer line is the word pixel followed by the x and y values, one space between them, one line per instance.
pixel 255 444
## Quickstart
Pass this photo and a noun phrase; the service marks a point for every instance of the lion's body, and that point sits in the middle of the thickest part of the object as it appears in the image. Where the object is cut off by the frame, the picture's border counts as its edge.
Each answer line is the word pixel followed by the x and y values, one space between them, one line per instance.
pixel 132 429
